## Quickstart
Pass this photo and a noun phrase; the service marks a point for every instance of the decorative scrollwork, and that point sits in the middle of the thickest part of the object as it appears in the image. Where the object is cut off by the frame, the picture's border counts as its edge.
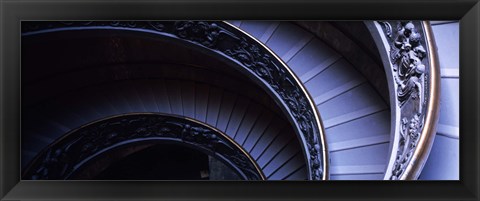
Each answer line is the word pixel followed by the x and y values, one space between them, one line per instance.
pixel 207 34
pixel 409 134
pixel 407 55
pixel 388 28
pixel 230 42
pixel 64 157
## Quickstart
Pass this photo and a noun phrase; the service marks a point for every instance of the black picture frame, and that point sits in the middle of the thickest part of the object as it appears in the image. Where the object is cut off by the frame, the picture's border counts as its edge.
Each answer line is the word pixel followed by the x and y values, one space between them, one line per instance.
pixel 13 11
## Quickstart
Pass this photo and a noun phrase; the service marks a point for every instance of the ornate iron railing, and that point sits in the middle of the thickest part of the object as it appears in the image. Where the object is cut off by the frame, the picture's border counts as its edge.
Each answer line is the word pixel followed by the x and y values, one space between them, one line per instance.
pixel 67 155
pixel 411 66
pixel 252 57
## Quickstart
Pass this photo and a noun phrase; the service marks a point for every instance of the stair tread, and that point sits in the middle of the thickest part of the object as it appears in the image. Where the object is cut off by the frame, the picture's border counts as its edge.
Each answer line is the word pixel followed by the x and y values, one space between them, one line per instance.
pixel 227 106
pixel 285 37
pixel 315 54
pixel 289 167
pixel 377 156
pixel 237 116
pixel 298 174
pixel 368 126
pixel 201 101
pixel 331 77
pixel 248 123
pixel 357 169
pixel 214 105
pixel 354 100
pixel 257 28
pixel 258 130
pixel 282 157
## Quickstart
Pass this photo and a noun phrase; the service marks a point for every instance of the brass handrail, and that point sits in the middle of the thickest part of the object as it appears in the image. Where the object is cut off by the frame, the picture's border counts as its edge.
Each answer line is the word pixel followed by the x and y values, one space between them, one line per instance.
pixel 410 59
pixel 425 143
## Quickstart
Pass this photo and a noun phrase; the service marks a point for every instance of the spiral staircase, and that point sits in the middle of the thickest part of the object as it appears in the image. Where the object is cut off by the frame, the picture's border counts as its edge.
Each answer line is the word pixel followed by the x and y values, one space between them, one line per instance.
pixel 355 109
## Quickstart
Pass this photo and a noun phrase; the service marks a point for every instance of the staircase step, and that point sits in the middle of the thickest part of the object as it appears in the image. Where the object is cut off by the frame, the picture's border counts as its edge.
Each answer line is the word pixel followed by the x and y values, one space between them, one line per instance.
pixel 261 126
pixel 369 126
pixel 227 105
pixel 333 76
pixel 357 177
pixel 201 101
pixel 338 91
pixel 290 167
pixel 285 37
pixel 214 105
pixel 369 155
pixel 360 98
pixel 298 174
pixel 269 32
pixel 237 117
pixel 356 143
pixel 296 48
pixel 314 57
pixel 188 98
pixel 248 122
pixel 351 116
pixel 357 169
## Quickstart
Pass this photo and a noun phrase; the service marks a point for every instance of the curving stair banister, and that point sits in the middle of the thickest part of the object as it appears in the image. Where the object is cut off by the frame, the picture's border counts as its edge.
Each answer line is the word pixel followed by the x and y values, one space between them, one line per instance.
pixel 444 160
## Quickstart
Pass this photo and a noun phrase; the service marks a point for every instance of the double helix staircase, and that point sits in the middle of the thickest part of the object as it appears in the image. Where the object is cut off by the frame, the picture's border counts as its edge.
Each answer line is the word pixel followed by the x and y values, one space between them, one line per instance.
pixel 355 116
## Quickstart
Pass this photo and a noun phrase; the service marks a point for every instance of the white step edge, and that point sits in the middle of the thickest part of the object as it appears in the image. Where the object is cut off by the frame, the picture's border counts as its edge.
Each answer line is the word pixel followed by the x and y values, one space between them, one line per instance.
pixel 357 169
pixel 448 131
pixel 269 32
pixel 319 68
pixel 449 73
pixel 357 143
pixel 297 48
pixel 352 116
pixel 338 90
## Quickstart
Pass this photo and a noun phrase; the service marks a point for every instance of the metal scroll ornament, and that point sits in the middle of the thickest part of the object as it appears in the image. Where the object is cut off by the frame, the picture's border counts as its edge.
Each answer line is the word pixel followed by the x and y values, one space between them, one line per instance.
pixel 63 158
pixel 407 56
pixel 231 43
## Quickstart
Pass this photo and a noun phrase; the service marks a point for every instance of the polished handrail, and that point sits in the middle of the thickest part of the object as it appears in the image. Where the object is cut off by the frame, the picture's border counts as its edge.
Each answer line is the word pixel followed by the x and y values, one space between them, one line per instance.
pixel 254 58
pixel 404 45
pixel 425 144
